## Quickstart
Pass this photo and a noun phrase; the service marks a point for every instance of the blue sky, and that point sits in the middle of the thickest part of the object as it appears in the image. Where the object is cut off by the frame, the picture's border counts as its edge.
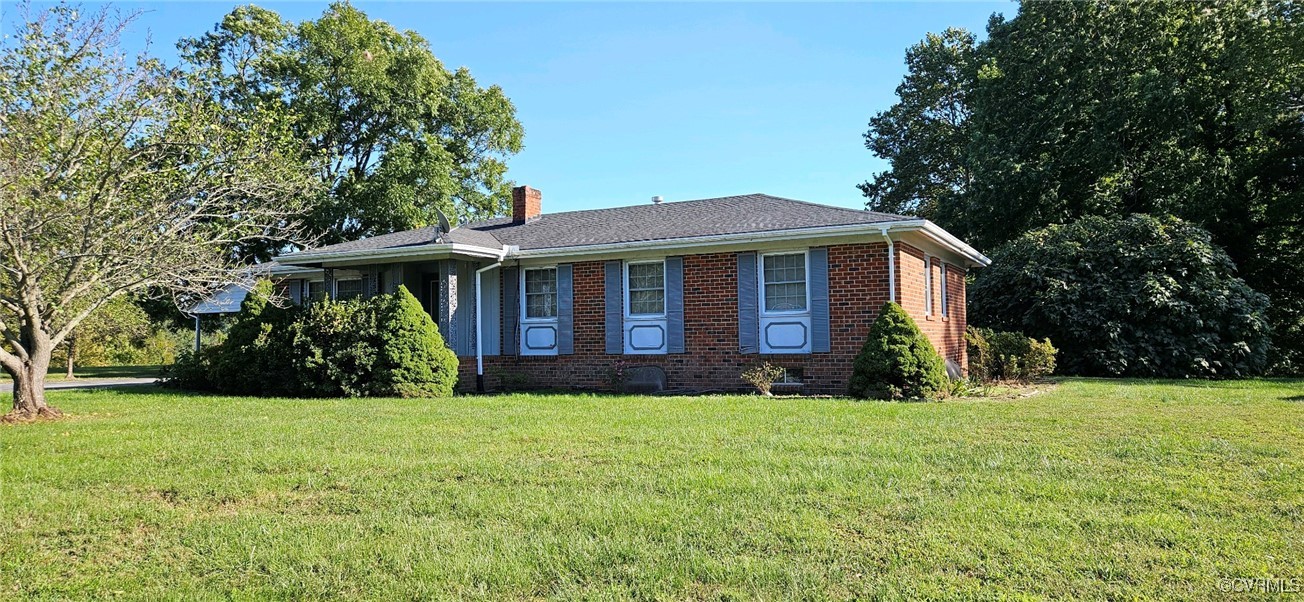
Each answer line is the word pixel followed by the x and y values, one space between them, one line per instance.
pixel 621 102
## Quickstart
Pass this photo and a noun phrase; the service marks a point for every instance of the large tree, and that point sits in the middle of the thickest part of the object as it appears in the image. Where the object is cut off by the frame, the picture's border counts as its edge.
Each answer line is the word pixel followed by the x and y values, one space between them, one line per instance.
pixel 1112 108
pixel 924 135
pixel 119 175
pixel 401 135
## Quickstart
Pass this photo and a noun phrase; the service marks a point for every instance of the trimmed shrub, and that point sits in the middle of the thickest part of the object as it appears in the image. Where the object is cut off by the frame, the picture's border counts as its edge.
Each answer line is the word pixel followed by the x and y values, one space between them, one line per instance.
pixel 380 347
pixel 1136 296
pixel 762 377
pixel 1007 356
pixel 413 359
pixel 253 357
pixel 897 361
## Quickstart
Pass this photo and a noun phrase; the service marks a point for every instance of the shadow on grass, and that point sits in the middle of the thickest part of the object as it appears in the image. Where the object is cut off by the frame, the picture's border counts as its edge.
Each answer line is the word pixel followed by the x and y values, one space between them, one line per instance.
pixel 56 373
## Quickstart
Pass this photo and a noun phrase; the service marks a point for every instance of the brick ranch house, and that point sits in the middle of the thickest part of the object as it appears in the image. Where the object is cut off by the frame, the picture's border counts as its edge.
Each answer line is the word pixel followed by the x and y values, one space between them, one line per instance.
pixel 701 289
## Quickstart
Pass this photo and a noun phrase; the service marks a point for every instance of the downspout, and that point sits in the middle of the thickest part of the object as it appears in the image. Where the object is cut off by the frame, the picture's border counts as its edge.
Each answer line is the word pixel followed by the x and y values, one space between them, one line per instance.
pixel 479 320
pixel 891 266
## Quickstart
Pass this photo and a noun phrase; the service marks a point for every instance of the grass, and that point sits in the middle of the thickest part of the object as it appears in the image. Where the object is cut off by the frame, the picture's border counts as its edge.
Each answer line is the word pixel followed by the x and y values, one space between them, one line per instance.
pixel 58 372
pixel 1095 489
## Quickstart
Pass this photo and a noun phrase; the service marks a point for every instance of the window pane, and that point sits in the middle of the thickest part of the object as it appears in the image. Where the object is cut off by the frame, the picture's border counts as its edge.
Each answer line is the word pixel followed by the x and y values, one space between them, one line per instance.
pixel 644 276
pixel 541 293
pixel 785 268
pixel 348 289
pixel 647 302
pixel 316 290
pixel 785 297
pixel 785 282
pixel 647 292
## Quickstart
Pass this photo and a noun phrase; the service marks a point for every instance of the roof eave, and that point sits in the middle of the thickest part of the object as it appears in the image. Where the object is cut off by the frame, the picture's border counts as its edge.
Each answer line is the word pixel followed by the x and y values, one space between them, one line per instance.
pixel 928 228
pixel 940 235
pixel 309 257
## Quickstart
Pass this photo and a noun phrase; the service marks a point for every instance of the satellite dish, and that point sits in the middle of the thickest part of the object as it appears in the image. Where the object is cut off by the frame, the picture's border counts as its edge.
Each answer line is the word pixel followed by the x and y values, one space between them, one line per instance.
pixel 444 226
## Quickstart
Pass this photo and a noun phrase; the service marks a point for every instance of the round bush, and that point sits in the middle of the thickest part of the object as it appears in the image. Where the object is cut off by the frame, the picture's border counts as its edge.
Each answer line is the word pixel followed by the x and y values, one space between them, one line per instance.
pixel 897 361
pixel 413 359
pixel 383 346
pixel 1134 296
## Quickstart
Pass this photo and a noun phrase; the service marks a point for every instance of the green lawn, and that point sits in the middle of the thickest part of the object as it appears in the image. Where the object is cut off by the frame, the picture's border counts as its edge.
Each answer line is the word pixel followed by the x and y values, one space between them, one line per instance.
pixel 1096 489
pixel 56 373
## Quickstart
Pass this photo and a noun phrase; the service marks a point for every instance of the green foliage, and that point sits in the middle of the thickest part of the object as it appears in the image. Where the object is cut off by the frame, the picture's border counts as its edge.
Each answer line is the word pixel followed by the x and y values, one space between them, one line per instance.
pixel 1007 356
pixel 762 376
pixel 1139 296
pixel 117 333
pixel 1073 109
pixel 413 359
pixel 897 361
pixel 118 179
pixel 386 346
pixel 402 135
pixel 253 358
pixel 924 135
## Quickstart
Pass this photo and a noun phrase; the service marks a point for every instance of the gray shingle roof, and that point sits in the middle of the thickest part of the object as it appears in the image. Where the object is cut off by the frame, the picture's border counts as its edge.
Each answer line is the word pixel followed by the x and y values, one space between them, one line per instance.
pixel 666 221
pixel 412 238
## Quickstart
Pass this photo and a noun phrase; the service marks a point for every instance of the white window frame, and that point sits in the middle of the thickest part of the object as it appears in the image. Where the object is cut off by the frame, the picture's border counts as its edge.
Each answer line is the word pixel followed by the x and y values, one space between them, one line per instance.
pixel 629 308
pixel 633 321
pixel 361 288
pixel 928 285
pixel 306 293
pixel 946 302
pixel 525 305
pixel 760 278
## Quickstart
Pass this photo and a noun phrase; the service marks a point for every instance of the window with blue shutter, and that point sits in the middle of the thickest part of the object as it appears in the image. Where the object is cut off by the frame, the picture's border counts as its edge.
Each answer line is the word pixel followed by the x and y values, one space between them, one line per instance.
pixel 819 301
pixel 615 301
pixel 539 326
pixel 565 310
pixel 675 304
pixel 748 312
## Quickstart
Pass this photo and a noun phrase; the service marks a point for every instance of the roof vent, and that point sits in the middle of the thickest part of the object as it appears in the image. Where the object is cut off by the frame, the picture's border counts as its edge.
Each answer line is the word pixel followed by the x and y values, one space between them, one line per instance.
pixel 656 200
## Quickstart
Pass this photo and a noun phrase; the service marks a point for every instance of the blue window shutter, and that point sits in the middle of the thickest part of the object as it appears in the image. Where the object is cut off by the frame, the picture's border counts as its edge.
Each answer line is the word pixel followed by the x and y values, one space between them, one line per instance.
pixel 675 304
pixel 511 311
pixel 819 300
pixel 615 308
pixel 296 291
pixel 749 319
pixel 565 311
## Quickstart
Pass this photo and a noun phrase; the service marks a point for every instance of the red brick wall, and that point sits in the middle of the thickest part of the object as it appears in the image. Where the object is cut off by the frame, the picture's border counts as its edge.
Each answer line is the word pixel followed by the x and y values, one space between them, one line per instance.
pixel 858 287
pixel 945 332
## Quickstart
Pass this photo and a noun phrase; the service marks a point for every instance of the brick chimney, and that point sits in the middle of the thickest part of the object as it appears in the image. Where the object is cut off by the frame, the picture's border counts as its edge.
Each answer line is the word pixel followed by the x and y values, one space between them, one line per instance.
pixel 527 204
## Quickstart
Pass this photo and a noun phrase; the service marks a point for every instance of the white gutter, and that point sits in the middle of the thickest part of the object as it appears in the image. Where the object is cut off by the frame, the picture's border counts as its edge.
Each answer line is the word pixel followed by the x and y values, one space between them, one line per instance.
pixel 480 355
pixel 479 323
pixel 891 266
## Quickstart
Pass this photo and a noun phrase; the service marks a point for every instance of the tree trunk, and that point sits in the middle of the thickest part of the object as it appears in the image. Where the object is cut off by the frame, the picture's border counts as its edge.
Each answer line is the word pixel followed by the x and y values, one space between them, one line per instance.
pixel 29 391
pixel 72 355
